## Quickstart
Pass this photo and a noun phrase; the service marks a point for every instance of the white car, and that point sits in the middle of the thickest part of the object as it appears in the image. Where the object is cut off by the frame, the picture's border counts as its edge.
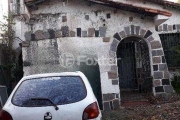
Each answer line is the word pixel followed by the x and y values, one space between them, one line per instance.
pixel 53 96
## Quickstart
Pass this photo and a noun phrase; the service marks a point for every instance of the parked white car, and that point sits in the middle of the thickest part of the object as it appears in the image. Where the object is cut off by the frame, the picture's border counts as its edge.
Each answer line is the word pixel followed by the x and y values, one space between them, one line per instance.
pixel 53 96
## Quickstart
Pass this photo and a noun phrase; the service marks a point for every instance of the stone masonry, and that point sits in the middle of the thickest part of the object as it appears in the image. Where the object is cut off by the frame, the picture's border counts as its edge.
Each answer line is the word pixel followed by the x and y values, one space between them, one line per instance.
pixel 160 70
pixel 95 30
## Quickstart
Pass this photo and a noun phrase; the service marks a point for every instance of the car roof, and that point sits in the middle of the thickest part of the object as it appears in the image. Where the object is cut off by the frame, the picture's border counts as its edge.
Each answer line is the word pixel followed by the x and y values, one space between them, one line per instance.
pixel 78 73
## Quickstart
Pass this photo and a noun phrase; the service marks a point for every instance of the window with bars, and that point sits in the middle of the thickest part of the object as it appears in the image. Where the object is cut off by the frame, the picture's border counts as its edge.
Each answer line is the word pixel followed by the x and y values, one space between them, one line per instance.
pixel 171 46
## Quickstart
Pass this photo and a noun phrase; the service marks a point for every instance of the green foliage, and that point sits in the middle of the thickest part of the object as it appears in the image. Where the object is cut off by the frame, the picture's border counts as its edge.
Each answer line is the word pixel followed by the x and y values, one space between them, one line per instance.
pixel 176 84
pixel 7 38
pixel 177 49
pixel 176 57
pixel 7 31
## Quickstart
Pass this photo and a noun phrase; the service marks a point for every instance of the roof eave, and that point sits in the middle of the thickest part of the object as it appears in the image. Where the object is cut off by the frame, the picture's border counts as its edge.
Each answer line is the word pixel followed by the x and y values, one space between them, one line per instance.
pixel 143 9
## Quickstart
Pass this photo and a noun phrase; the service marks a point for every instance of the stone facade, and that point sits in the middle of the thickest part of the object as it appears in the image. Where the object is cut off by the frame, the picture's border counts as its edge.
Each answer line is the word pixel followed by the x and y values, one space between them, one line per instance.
pixel 161 81
pixel 94 31
pixel 168 28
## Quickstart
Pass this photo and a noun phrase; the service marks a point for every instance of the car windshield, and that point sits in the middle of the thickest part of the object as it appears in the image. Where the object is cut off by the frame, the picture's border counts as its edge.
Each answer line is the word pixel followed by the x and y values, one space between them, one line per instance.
pixel 59 90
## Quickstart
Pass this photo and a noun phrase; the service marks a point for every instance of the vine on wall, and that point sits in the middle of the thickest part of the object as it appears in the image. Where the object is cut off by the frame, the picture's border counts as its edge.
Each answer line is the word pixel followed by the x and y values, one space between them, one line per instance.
pixel 176 77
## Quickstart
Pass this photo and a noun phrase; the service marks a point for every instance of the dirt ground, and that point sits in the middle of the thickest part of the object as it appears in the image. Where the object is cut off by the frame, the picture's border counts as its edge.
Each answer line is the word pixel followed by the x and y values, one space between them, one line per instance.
pixel 157 110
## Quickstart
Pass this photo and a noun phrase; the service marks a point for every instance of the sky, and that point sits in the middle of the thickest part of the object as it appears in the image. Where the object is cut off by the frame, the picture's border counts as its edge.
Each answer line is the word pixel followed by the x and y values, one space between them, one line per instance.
pixel 4 7
pixel 173 0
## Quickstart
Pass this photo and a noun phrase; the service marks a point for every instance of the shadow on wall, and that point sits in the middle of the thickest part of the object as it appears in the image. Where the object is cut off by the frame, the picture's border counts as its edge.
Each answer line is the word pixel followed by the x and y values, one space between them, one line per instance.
pixel 93 74
pixel 3 96
pixel 176 83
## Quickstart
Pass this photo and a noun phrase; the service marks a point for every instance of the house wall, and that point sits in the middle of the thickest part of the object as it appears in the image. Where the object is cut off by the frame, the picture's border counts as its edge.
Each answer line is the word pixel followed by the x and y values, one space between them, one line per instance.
pixel 81 30
pixel 53 9
pixel 172 25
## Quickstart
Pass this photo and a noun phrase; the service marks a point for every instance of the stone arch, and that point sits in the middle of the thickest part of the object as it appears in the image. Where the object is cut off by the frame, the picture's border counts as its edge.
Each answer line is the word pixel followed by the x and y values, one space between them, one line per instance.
pixel 159 69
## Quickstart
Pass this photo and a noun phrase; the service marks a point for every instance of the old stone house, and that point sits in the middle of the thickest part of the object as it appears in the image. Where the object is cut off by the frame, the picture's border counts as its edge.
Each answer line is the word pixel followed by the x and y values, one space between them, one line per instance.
pixel 120 45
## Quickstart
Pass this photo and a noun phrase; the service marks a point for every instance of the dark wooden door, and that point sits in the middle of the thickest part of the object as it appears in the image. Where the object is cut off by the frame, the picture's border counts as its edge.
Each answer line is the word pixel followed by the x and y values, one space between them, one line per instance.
pixel 143 70
pixel 127 66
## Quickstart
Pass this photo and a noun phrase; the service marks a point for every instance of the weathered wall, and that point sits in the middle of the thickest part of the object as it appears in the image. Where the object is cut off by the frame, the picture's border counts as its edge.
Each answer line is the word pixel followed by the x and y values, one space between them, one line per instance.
pixel 45 56
pixel 85 18
pixel 172 25
pixel 174 19
pixel 83 30
pixel 17 6
pixel 58 7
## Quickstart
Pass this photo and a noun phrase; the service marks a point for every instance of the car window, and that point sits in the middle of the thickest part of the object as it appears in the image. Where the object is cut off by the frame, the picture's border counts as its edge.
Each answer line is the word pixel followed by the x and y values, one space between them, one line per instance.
pixel 59 90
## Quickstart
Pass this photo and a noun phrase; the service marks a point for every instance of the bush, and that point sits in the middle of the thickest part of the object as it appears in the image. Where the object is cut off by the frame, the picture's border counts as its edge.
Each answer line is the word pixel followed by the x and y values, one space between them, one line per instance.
pixel 176 84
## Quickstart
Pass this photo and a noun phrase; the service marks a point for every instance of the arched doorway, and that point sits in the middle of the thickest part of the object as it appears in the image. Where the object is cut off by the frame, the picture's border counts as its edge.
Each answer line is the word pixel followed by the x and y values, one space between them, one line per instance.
pixel 154 79
pixel 134 67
